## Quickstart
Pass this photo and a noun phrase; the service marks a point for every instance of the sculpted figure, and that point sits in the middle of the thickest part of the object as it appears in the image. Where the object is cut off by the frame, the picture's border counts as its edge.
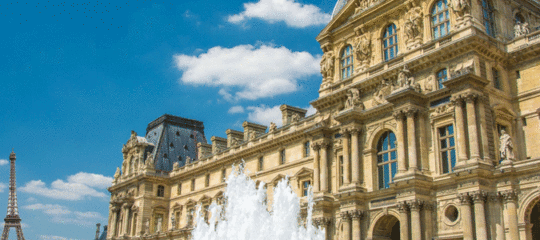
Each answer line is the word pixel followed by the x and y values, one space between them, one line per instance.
pixel 176 166
pixel 521 29
pixel 295 118
pixel 234 142
pixel 327 65
pixel 506 146
pixel 159 225
pixel 428 86
pixel 252 135
pixel 149 164
pixel 363 48
pixel 381 93
pixel 413 23
pixel 146 226
pixel 460 7
pixel 188 159
pixel 404 77
pixel 117 174
pixel 273 127
pixel 173 222
pixel 353 99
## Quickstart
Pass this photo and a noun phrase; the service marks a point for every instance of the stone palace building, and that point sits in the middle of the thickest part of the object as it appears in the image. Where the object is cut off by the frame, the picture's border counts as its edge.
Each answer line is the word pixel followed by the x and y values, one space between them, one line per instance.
pixel 427 127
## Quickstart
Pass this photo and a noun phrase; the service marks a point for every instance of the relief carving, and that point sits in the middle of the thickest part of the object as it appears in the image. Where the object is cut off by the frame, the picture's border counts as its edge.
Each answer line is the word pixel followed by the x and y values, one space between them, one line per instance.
pixel 353 99
pixel 327 66
pixel 384 89
pixel 521 29
pixel 463 68
pixel 413 28
pixel 462 8
pixel 363 51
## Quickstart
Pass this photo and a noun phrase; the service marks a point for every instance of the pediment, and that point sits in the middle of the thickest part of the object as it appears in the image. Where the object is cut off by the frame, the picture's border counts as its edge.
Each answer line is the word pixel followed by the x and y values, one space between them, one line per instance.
pixel 205 198
pixel 339 18
pixel 277 178
pixel 303 172
pixel 191 202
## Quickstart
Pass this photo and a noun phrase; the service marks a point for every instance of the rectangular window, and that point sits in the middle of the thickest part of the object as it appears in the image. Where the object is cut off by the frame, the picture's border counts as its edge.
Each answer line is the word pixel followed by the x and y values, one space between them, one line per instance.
pixel 191 212
pixel 179 189
pixel 207 180
pixel 447 148
pixel 305 187
pixel 496 79
pixel 160 191
pixel 193 184
pixel 178 214
pixel 282 156
pixel 306 149
pixel 261 163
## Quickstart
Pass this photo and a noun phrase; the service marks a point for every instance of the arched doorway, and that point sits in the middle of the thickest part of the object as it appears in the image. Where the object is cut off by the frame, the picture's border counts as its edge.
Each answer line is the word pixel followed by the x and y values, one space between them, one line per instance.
pixel 535 221
pixel 387 228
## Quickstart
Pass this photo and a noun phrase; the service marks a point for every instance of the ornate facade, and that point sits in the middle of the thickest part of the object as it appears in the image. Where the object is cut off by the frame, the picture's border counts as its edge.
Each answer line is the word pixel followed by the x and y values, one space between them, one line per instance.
pixel 427 127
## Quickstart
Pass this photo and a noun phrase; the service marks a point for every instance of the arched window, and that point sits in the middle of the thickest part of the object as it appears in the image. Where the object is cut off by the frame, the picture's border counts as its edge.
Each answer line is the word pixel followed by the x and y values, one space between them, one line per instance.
pixel 441 77
pixel 487 13
pixel 386 159
pixel 160 191
pixel 440 19
pixel 346 62
pixel 390 42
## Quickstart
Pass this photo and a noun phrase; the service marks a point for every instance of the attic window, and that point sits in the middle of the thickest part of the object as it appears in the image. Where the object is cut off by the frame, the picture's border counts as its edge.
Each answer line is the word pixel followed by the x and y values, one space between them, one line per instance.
pixel 191 136
pixel 179 158
pixel 177 133
pixel 185 147
pixel 165 155
pixel 155 133
pixel 171 145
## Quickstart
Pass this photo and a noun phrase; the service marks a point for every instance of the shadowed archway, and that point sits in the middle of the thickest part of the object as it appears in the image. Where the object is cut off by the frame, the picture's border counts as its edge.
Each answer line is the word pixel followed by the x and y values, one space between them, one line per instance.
pixel 386 228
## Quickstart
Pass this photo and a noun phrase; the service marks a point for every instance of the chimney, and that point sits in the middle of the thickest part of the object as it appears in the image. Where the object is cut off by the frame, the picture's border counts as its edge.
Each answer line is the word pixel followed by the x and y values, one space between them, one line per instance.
pixel 253 129
pixel 218 144
pixel 288 114
pixel 204 149
pixel 234 137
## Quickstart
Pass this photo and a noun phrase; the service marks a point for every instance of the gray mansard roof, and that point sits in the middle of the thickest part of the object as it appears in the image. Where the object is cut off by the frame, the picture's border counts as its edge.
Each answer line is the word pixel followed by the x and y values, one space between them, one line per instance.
pixel 175 139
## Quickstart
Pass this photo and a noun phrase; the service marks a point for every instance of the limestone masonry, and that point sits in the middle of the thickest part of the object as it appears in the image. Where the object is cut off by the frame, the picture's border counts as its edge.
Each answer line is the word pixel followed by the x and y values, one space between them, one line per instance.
pixel 427 127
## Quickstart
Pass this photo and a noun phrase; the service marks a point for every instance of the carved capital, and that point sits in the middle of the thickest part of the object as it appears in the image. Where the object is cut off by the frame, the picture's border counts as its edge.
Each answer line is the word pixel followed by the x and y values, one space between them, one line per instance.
pixel 403 207
pixel 457 100
pixel 471 97
pixel 398 115
pixel 322 221
pixel 345 215
pixel 345 132
pixel 325 144
pixel 355 130
pixel 356 214
pixel 508 195
pixel 415 205
pixel 410 112
pixel 479 196
pixel 464 198
pixel 316 146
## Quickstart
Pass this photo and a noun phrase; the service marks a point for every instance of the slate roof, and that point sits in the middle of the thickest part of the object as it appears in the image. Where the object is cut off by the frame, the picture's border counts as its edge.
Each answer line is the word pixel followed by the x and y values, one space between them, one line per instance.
pixel 175 138
pixel 339 5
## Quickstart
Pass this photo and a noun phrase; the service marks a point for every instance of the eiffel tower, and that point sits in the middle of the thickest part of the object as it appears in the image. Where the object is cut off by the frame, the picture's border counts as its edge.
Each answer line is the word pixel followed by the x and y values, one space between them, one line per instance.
pixel 12 219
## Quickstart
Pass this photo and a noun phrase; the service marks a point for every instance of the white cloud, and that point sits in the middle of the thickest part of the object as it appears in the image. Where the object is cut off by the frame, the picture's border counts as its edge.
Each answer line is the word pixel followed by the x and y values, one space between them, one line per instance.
pixel 264 115
pixel 61 214
pixel 294 14
pixel 51 237
pixel 236 109
pixel 3 187
pixel 77 187
pixel 23 225
pixel 3 162
pixel 247 71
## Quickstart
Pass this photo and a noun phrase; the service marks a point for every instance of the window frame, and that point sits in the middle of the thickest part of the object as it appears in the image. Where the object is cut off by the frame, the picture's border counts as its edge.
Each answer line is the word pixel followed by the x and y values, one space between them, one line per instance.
pixel 305 188
pixel 347 70
pixel 223 175
pixel 435 16
pixel 193 184
pixel 307 150
pixel 489 21
pixel 179 189
pixel 394 46
pixel 207 180
pixel 260 163
pixel 449 149
pixel 282 157
pixel 440 78
pixel 160 192
pixel 496 76
pixel 389 151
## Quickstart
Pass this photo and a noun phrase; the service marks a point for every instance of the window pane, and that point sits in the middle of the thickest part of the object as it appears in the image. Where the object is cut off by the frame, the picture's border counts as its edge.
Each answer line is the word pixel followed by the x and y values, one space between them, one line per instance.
pixel 385 157
pixel 393 155
pixel 450 130
pixel 444 158
pixel 379 158
pixel 453 158
pixel 392 140
pixel 385 143
pixel 451 142
pixel 386 176
pixel 381 177
pixel 394 169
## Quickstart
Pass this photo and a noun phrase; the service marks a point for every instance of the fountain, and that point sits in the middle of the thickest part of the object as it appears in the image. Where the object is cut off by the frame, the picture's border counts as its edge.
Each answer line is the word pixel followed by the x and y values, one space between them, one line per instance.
pixel 245 215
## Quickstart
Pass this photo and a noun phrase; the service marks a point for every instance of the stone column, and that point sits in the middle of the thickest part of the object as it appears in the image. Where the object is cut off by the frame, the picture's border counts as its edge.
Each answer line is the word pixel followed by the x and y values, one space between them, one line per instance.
pixel 402 167
pixel 324 166
pixel 114 219
pixel 416 229
pixel 460 130
pixel 480 215
pixel 428 224
pixel 403 221
pixel 423 157
pixel 356 226
pixel 355 160
pixel 473 130
pixel 346 166
pixel 316 160
pixel 346 218
pixel 510 201
pixel 411 140
pixel 125 223
pixel 466 216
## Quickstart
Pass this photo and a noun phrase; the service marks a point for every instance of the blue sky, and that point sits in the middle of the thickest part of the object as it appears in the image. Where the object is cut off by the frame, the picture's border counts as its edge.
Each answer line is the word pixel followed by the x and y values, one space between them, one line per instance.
pixel 76 78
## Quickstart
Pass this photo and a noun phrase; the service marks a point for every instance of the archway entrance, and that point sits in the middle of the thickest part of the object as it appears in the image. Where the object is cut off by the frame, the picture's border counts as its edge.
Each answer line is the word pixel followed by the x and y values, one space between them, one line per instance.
pixel 387 228
pixel 535 221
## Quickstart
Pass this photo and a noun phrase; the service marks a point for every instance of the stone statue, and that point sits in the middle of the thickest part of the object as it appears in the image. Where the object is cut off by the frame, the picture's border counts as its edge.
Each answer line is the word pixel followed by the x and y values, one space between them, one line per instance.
pixel 428 85
pixel 159 225
pixel 379 97
pixel 460 7
pixel 413 23
pixel 353 99
pixel 234 142
pixel 117 174
pixel 521 29
pixel 327 65
pixel 176 165
pixel 273 127
pixel 149 164
pixel 363 48
pixel 188 159
pixel 295 118
pixel 146 226
pixel 173 222
pixel 506 146
pixel 404 77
